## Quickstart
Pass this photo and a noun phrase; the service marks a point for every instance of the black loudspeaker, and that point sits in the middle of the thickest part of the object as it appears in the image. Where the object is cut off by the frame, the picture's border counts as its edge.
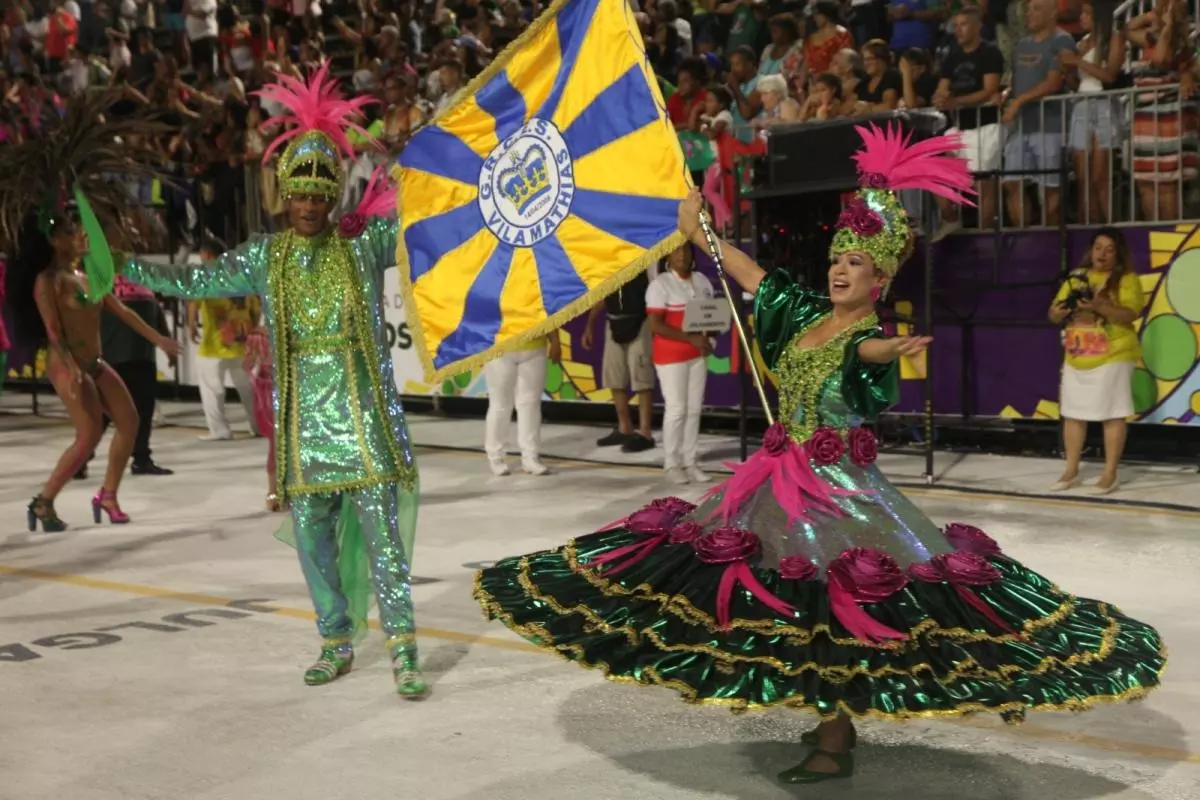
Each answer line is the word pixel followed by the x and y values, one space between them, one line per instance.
pixel 807 157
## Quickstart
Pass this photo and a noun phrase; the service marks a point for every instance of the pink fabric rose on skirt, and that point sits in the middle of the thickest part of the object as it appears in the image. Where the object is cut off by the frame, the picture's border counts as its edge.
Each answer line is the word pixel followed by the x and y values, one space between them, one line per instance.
pixel 970 539
pixel 863 447
pixel 797 568
pixel 866 574
pixel 825 447
pixel 725 545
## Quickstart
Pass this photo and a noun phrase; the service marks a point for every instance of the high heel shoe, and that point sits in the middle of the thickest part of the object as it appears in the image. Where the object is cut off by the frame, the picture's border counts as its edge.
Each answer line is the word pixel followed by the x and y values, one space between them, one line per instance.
pixel 42 510
pixel 802 773
pixel 106 501
pixel 813 736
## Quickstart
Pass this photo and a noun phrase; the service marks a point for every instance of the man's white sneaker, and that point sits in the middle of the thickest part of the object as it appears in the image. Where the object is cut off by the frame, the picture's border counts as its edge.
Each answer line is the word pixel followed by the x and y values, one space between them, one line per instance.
pixel 534 467
pixel 209 437
pixel 677 475
pixel 697 475
pixel 499 467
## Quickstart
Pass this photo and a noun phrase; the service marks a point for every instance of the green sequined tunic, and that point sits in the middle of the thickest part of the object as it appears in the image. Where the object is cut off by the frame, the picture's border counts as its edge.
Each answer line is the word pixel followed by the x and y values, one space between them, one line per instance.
pixel 1017 643
pixel 339 422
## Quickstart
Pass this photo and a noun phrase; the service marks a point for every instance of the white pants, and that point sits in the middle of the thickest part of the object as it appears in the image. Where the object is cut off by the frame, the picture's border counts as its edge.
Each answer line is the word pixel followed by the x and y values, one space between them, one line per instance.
pixel 682 386
pixel 213 372
pixel 515 379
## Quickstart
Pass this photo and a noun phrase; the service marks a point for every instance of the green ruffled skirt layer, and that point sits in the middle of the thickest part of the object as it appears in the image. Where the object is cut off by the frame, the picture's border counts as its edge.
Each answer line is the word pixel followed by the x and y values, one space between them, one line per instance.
pixel 655 624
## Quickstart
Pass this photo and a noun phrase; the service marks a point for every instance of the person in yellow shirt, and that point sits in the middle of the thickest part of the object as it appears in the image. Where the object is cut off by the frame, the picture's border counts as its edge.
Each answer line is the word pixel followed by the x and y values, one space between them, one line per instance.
pixel 220 328
pixel 1097 305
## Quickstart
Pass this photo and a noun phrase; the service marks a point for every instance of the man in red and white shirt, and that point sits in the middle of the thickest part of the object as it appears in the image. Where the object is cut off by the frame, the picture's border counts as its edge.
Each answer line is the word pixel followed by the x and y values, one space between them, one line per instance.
pixel 681 361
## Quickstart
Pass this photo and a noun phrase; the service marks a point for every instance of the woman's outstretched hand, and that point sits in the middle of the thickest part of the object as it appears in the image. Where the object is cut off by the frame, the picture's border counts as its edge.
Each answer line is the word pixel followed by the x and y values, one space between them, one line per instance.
pixel 909 345
pixel 689 213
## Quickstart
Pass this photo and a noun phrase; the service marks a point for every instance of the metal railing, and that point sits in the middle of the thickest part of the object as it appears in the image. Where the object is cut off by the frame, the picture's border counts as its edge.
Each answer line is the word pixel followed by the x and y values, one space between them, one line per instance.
pixel 1119 156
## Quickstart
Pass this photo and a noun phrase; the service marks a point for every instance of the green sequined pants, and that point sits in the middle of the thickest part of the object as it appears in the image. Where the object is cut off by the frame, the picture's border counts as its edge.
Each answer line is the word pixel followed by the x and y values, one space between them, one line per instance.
pixel 380 520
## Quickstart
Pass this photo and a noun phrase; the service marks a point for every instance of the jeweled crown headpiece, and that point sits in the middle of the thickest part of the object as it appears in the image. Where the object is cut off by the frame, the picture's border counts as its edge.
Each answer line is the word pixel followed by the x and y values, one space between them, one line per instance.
pixel 319 119
pixel 875 222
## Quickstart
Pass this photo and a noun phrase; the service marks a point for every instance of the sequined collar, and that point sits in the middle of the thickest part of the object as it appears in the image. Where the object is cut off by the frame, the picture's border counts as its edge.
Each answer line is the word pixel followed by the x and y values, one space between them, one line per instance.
pixel 803 373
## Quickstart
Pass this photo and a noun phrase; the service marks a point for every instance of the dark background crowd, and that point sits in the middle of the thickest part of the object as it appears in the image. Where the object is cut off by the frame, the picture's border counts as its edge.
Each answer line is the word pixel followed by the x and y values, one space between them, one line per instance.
pixel 730 71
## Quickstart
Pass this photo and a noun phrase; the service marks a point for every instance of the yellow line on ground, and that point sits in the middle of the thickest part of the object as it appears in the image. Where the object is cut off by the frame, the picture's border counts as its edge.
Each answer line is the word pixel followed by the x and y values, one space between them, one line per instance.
pixel 1027 730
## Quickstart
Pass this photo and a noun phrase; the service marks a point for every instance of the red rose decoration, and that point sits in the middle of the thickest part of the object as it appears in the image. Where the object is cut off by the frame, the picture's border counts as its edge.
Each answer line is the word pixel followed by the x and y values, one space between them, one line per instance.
pixel 863 448
pixel 969 539
pixel 675 505
pixel 867 575
pixel 659 516
pixel 685 532
pixel 927 572
pixel 726 545
pixel 825 447
pixel 968 569
pixel 872 180
pixel 797 568
pixel 775 440
pixel 351 225
pixel 859 218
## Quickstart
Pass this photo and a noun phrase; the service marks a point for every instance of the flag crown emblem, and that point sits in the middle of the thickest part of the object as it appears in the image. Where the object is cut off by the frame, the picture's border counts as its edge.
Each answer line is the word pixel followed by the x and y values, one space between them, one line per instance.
pixel 527 180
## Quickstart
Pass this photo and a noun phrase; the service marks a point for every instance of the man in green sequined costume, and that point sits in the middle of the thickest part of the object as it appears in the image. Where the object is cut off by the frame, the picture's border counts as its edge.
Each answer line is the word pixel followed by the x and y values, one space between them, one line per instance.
pixel 343 457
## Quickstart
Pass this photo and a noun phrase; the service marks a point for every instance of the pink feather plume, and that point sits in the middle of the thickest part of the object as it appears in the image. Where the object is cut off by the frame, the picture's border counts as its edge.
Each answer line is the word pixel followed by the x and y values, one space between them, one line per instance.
pixel 933 165
pixel 379 198
pixel 317 105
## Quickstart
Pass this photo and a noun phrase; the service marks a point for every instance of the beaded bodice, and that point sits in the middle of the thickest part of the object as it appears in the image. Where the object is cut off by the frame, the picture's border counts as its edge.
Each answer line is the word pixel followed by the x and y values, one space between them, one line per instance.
pixel 810 381
pixel 315 292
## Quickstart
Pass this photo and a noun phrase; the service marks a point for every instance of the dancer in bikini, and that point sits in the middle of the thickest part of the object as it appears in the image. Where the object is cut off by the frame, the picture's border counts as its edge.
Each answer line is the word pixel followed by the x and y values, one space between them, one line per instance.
pixel 54 303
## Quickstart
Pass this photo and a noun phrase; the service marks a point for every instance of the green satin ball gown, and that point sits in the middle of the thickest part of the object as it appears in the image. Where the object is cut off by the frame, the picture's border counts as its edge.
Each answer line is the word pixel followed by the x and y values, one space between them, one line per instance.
pixel 807 580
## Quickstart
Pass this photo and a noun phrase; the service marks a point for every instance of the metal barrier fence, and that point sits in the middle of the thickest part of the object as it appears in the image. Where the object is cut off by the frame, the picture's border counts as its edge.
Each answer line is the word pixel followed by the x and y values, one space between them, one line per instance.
pixel 1119 156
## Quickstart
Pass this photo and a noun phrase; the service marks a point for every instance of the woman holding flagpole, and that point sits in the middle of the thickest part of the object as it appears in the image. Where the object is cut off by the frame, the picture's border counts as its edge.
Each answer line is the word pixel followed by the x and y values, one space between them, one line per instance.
pixel 807 580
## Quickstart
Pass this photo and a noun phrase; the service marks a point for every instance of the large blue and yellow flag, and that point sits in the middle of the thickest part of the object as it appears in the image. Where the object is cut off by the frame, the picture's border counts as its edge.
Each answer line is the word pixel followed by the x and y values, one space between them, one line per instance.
pixel 552 179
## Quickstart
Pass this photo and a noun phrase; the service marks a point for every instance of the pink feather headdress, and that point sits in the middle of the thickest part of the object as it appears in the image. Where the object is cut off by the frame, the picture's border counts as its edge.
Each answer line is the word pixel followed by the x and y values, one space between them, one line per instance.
pixel 317 122
pixel 875 222
pixel 379 198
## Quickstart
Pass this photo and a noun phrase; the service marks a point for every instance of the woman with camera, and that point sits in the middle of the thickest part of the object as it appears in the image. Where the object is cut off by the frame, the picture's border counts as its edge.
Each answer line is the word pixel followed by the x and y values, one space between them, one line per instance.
pixel 1097 305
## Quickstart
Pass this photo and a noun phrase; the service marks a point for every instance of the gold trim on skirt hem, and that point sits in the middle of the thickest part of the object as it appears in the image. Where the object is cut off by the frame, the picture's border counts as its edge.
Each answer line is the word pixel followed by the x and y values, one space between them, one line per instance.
pixel 1014 710
pixel 967 668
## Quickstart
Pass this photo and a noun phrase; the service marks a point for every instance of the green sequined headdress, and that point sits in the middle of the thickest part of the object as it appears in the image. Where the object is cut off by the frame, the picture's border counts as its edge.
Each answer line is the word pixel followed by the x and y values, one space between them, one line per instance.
pixel 875 222
pixel 318 118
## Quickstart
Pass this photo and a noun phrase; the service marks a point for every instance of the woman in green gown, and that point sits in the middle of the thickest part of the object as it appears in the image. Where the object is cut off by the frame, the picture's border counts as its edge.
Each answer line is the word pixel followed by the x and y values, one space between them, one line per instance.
pixel 806 579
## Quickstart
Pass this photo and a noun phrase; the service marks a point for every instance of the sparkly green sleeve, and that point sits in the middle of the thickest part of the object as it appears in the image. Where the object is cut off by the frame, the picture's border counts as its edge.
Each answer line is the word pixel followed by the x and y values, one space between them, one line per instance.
pixel 237 273
pixel 781 309
pixel 869 389
pixel 381 241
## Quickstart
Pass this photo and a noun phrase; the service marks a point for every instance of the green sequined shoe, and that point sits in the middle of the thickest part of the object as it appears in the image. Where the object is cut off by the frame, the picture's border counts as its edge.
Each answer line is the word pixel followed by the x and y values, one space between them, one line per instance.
pixel 333 663
pixel 410 683
pixel 801 774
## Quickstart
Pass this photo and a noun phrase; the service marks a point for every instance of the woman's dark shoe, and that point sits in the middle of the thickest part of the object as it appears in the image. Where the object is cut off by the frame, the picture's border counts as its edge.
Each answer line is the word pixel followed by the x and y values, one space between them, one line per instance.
pixel 612 439
pixel 801 773
pixel 812 738
pixel 637 443
pixel 42 510
pixel 149 468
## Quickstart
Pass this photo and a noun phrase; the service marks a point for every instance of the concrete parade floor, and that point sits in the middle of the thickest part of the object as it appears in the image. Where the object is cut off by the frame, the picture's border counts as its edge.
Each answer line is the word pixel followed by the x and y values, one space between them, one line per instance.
pixel 163 659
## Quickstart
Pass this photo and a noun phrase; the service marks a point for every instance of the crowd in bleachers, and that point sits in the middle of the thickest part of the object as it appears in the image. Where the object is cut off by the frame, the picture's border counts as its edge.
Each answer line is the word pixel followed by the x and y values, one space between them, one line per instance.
pixel 730 70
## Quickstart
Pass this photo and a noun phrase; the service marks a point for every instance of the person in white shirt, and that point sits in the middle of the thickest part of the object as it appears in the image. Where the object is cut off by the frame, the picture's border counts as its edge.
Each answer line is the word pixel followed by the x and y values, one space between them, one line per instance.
pixel 518 379
pixel 202 33
pixel 681 361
